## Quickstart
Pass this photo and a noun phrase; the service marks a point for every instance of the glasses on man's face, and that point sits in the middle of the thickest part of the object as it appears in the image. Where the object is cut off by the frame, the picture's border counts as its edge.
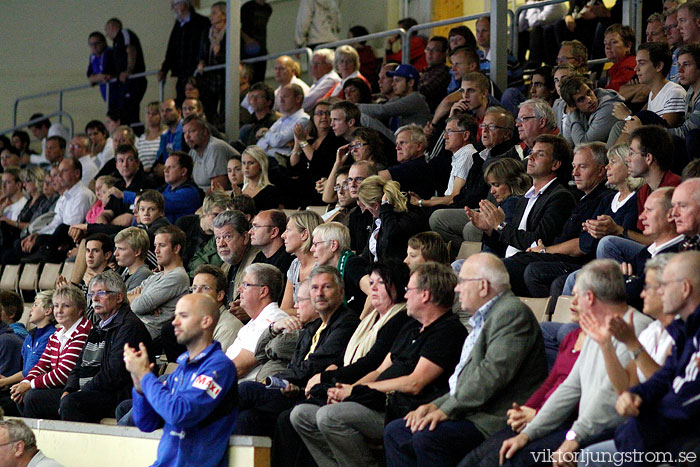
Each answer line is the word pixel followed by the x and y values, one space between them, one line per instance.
pixel 200 288
pixel 247 285
pixel 259 226
pixel 99 294
pixel 492 127
pixel 454 131
pixel 341 187
pixel 357 180
pixel 524 119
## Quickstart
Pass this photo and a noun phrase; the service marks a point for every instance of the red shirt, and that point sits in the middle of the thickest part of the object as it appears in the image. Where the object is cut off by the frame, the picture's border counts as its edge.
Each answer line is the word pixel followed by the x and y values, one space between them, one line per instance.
pixel 621 73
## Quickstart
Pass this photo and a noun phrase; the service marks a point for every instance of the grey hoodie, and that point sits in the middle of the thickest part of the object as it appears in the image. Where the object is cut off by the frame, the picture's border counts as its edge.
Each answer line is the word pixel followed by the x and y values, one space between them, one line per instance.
pixel 581 128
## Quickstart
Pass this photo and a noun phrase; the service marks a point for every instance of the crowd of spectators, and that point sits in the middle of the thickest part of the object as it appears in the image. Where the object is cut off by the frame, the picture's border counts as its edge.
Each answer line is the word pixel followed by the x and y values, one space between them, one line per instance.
pixel 333 333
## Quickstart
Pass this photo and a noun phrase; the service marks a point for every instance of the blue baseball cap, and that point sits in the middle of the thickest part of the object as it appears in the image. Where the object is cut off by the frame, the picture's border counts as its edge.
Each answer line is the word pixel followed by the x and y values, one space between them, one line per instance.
pixel 405 71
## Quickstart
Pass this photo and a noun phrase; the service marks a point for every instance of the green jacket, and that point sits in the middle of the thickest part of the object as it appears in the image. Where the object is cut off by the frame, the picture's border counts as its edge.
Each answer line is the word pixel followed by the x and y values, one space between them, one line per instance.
pixel 205 255
pixel 506 365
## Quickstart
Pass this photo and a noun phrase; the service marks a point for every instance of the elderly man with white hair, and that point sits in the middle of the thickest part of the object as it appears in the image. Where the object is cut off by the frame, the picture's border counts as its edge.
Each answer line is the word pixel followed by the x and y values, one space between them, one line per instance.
pixel 325 78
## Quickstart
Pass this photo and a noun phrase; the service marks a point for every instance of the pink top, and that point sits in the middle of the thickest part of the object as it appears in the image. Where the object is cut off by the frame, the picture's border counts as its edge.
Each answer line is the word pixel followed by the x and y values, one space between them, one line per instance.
pixel 94 212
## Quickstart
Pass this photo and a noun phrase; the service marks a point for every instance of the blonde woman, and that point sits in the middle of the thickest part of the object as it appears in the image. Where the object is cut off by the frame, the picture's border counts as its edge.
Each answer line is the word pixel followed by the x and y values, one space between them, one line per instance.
pixel 256 182
pixel 298 241
pixel 395 220
pixel 347 64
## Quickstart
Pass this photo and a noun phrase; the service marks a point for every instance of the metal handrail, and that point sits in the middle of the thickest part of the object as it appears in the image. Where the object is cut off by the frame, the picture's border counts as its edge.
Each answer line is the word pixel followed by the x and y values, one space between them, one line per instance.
pixel 60 113
pixel 514 44
pixel 406 44
pixel 368 37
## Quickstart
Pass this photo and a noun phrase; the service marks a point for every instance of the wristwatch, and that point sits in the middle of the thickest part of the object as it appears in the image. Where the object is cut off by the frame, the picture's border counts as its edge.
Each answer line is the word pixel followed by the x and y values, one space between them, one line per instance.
pixel 572 436
pixel 303 144
pixel 501 226
pixel 420 202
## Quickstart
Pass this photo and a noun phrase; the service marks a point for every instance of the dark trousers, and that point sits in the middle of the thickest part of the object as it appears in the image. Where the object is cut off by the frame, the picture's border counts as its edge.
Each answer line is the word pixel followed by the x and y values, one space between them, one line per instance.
pixel 487 453
pixel 7 405
pixel 42 403
pixel 88 406
pixel 259 407
pixel 288 449
pixel 171 348
pixel 445 446
pixel 532 274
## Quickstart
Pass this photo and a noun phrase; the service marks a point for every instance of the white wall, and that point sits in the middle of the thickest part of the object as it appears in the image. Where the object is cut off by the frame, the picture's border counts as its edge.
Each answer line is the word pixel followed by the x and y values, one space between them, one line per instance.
pixel 43 45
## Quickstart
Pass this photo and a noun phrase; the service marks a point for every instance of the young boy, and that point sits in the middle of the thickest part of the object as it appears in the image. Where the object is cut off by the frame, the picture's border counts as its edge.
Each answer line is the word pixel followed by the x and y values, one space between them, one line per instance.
pixel 131 248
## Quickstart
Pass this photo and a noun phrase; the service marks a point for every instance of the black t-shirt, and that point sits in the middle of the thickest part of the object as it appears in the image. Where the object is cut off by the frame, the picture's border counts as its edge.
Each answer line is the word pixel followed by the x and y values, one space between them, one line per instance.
pixel 440 342
pixel 280 259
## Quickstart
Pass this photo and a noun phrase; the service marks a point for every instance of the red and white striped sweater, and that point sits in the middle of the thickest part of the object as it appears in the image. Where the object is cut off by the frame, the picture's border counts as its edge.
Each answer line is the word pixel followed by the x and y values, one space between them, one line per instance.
pixel 54 366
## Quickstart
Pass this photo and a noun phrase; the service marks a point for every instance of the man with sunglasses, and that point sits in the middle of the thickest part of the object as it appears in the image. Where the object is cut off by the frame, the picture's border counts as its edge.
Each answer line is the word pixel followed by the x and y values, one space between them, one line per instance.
pixel 100 380
pixel 260 292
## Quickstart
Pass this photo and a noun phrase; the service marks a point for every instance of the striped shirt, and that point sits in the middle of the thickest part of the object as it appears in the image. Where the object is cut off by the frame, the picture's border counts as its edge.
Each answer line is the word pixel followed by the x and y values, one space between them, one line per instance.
pixel 669 99
pixel 57 361
pixel 148 151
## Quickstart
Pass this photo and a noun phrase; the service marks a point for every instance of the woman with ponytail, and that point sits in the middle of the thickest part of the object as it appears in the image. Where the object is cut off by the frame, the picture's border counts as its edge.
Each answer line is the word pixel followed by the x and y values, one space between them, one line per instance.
pixel 395 219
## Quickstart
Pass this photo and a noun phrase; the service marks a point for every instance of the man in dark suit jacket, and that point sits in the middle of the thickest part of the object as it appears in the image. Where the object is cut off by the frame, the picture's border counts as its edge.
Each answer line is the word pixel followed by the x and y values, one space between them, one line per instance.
pixel 488 379
pixel 542 212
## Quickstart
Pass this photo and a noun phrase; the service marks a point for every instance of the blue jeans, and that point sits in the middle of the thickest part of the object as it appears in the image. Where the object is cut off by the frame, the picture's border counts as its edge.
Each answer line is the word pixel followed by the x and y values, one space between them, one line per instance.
pixel 446 445
pixel 620 249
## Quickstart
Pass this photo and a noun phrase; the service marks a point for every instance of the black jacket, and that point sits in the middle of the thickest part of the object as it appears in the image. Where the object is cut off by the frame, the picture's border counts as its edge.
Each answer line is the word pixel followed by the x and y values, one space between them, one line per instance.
pixel 102 359
pixel 397 227
pixel 182 54
pixel 545 221
pixel 329 350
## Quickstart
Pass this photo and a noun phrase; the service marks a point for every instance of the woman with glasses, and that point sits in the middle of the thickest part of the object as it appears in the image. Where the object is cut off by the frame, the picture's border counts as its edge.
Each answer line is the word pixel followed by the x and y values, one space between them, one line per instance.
pixel 345 203
pixel 365 145
pixel 297 241
pixel 347 64
pixel 312 155
pixel 395 220
pixel 43 385
pixel 256 181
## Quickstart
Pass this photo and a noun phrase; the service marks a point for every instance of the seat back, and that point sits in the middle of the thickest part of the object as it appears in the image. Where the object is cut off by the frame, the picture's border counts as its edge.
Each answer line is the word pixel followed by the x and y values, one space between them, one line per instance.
pixel 67 270
pixel 468 249
pixel 49 274
pixel 562 311
pixel 539 306
pixel 320 210
pixel 10 277
pixel 29 279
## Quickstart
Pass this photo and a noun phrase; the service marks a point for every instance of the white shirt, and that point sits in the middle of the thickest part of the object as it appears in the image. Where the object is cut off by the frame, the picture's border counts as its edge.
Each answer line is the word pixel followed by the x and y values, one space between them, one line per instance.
pixel 319 89
pixel 654 249
pixel 89 170
pixel 12 211
pixel 248 336
pixel 282 132
pixel 462 162
pixel 670 99
pixel 531 199
pixel 106 154
pixel 71 208
pixel 656 341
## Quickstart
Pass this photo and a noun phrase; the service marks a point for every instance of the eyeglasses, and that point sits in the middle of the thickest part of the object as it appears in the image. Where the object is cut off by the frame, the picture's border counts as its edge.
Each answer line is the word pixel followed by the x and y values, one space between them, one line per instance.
pixel 9 442
pixel 99 294
pixel 665 283
pixel 257 226
pixel 462 280
pixel 200 288
pixel 342 187
pixel 523 119
pixel 247 285
pixel 302 299
pixel 315 244
pixel 407 289
pixel 356 179
pixel 492 127
pixel 454 131
pixel 358 145
pixel 321 113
